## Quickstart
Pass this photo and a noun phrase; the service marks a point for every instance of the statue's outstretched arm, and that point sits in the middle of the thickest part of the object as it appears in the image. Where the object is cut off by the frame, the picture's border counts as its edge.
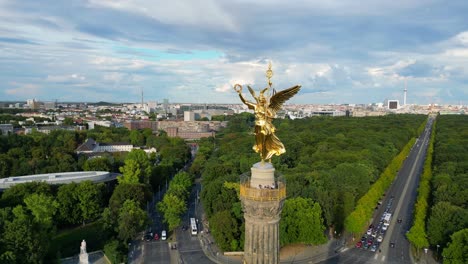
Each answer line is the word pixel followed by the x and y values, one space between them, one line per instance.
pixel 238 89
pixel 248 103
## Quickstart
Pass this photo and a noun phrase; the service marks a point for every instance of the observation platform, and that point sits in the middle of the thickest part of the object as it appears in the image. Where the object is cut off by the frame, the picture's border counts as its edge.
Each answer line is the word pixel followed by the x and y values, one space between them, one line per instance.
pixel 264 193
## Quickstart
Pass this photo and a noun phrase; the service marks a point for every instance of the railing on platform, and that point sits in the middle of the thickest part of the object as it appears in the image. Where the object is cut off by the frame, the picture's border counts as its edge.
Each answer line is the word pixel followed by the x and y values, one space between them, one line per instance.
pixel 262 194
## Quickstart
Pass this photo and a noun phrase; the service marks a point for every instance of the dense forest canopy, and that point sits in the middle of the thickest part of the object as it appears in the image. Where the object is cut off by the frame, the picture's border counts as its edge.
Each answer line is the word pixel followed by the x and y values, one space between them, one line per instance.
pixel 332 161
pixel 449 212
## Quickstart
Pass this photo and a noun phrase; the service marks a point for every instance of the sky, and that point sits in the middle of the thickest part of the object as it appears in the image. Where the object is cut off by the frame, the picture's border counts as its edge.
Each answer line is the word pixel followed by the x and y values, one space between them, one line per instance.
pixel 191 51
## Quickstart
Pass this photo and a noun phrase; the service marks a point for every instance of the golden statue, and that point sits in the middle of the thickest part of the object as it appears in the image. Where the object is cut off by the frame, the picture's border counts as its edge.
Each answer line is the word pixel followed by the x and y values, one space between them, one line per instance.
pixel 267 143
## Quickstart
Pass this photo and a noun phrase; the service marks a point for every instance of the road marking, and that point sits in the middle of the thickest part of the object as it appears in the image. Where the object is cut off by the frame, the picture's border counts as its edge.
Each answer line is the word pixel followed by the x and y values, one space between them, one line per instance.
pixel 383 258
pixel 376 256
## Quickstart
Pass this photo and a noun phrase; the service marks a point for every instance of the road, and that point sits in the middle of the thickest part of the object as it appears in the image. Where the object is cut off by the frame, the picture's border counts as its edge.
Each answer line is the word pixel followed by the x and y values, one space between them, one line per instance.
pixel 189 246
pixel 155 251
pixel 399 201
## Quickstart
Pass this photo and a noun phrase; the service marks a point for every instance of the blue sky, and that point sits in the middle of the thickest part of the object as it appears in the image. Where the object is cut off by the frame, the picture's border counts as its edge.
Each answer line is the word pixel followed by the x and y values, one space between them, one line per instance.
pixel 340 51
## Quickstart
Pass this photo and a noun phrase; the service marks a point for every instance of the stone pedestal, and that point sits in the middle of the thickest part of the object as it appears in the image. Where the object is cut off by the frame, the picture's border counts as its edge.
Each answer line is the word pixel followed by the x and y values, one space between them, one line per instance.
pixel 84 258
pixel 262 208
pixel 263 174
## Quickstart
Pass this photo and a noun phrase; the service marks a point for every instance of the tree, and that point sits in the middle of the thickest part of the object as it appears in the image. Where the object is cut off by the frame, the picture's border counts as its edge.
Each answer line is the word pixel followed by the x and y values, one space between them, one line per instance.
pixel 68 121
pixel 113 250
pixel 23 235
pixel 172 207
pixel 43 208
pixel 132 219
pixel 131 172
pixel 16 194
pixel 301 222
pixel 443 221
pixel 90 199
pixel 142 159
pixel 137 138
pixel 97 164
pixel 125 191
pixel 225 230
pixel 457 249
pixel 68 209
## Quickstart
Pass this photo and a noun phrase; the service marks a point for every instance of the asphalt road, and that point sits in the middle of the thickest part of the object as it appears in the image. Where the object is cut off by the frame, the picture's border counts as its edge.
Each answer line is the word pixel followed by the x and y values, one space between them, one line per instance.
pixel 155 251
pixel 399 200
pixel 189 246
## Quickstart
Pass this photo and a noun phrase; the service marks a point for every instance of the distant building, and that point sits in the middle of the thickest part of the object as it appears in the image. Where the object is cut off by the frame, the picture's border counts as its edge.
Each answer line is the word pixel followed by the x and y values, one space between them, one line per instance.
pixel 6 129
pixel 393 104
pixel 32 104
pixel 90 146
pixel 48 129
pixel 327 113
pixel 50 105
pixel 141 124
pixel 189 116
pixel 188 135
pixel 92 124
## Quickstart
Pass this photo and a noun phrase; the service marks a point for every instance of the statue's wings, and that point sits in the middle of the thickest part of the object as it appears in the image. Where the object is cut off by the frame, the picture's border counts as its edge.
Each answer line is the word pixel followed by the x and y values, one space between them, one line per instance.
pixel 278 99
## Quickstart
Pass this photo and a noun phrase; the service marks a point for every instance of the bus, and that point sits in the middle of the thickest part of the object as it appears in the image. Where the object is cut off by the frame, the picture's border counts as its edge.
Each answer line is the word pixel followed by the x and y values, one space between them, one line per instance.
pixel 193 226
pixel 386 221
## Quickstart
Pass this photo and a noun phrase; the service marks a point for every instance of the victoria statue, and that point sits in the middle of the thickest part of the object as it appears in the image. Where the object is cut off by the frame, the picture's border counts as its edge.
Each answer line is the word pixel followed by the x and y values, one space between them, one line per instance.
pixel 265 107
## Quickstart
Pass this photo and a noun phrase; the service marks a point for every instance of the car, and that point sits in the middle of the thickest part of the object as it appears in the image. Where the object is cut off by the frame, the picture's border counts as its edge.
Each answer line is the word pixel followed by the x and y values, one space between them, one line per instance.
pixel 399 220
pixel 163 235
pixel 148 237
pixel 359 244
pixel 365 246
pixel 374 234
pixel 392 244
pixel 379 239
pixel 371 226
pixel 369 232
pixel 363 239
pixel 184 228
pixel 373 248
pixel 156 236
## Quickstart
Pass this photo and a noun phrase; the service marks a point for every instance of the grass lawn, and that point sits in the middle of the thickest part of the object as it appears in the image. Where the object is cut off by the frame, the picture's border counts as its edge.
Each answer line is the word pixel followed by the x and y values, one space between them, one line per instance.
pixel 68 242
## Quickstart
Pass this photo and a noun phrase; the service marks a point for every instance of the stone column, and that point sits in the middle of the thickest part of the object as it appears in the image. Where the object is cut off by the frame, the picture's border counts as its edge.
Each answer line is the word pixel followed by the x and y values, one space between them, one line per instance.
pixel 262 201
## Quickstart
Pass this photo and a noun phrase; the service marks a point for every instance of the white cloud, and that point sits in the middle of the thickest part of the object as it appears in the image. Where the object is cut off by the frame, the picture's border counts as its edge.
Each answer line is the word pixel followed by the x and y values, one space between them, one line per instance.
pixel 66 78
pixel 458 53
pixel 21 90
pixel 204 13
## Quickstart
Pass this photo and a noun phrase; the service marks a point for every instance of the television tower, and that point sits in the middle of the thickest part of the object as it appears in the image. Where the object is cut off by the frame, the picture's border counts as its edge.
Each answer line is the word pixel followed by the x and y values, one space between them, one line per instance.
pixel 142 99
pixel 404 95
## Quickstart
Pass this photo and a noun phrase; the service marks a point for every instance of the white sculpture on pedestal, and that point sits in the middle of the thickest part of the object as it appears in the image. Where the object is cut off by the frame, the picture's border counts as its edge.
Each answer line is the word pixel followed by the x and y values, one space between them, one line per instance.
pixel 83 253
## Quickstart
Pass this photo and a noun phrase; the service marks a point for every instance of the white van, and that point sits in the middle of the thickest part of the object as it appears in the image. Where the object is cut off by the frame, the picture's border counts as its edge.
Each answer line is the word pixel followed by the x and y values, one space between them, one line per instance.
pixel 163 235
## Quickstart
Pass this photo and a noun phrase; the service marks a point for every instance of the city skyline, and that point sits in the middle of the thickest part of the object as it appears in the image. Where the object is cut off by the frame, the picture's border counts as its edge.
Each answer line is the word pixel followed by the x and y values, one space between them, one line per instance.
pixel 194 52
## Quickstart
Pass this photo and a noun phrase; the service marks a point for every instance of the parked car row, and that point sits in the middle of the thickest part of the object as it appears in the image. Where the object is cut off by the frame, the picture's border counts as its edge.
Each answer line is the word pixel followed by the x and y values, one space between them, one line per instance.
pixel 149 236
pixel 375 234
